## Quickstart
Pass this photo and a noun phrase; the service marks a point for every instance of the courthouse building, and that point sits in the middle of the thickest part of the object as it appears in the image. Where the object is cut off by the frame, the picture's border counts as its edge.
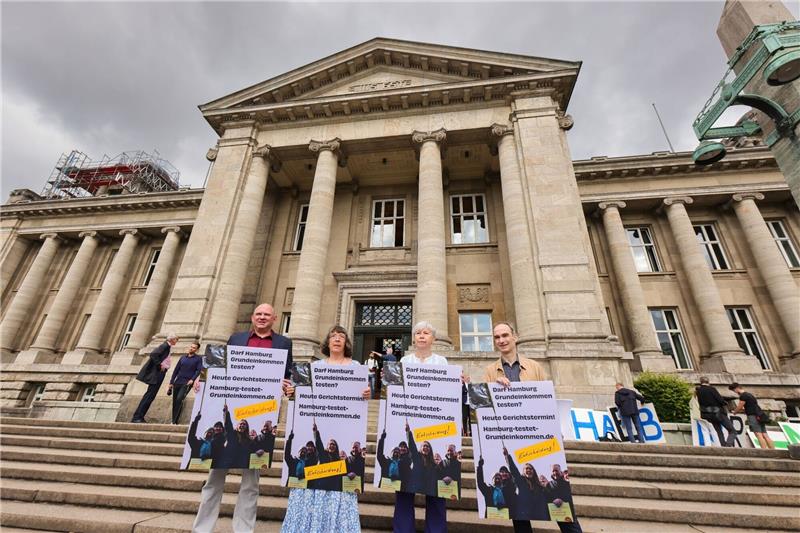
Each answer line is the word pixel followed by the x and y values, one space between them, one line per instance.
pixel 395 182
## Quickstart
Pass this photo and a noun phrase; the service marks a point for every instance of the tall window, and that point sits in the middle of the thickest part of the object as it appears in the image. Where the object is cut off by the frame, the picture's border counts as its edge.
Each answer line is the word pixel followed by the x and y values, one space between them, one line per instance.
pixel 388 218
pixel 468 219
pixel 301 228
pixel 87 392
pixel 151 266
pixel 670 337
pixel 286 321
pixel 784 243
pixel 476 332
pixel 712 248
pixel 130 322
pixel 36 393
pixel 643 249
pixel 746 334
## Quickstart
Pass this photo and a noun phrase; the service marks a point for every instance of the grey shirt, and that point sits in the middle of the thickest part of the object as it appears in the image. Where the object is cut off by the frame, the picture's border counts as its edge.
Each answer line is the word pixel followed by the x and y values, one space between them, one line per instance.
pixel 512 371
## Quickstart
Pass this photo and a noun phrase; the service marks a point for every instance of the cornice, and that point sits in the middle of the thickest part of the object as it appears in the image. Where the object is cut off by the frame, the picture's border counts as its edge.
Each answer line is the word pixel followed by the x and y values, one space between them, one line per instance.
pixel 660 164
pixel 188 198
pixel 375 275
pixel 437 96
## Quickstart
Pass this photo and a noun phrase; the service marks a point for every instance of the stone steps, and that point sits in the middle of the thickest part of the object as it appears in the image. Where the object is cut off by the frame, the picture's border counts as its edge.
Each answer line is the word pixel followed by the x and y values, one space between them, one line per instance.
pixel 89 476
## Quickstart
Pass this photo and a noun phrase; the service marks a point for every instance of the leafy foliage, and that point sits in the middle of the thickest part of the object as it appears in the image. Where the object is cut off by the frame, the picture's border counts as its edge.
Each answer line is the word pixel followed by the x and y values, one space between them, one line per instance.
pixel 669 394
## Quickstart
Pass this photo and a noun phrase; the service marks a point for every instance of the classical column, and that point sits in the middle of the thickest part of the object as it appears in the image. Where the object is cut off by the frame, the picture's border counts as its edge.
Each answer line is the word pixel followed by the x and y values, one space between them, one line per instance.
pixel 313 257
pixel 20 307
pixel 431 299
pixel 10 262
pixel 771 265
pixel 725 353
pixel 153 296
pixel 224 312
pixel 64 301
pixel 640 325
pixel 91 340
pixel 520 254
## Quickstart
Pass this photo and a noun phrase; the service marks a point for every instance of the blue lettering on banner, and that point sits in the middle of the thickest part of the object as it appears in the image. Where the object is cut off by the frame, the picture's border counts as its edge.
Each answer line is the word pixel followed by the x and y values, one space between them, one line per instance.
pixel 650 425
pixel 589 424
pixel 702 434
pixel 608 424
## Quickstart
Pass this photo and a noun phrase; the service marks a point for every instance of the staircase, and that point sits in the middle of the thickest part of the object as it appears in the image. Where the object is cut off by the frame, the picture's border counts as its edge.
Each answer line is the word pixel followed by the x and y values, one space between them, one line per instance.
pixel 117 477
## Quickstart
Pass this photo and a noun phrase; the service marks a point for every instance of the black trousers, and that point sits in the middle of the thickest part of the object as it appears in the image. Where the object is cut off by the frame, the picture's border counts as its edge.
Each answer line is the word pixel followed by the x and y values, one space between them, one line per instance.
pixel 179 393
pixel 147 399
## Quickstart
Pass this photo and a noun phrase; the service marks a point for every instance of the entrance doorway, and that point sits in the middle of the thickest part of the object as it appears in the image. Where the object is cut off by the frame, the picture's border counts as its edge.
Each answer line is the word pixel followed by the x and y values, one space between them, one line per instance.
pixel 381 324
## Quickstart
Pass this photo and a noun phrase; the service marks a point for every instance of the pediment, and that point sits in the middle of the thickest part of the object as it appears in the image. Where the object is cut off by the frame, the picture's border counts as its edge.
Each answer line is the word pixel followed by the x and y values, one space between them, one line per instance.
pixel 385 65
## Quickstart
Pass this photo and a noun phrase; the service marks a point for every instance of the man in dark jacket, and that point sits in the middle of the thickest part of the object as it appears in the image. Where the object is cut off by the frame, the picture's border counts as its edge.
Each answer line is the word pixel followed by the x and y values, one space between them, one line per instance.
pixel 625 400
pixel 714 409
pixel 244 514
pixel 152 373
pixel 183 378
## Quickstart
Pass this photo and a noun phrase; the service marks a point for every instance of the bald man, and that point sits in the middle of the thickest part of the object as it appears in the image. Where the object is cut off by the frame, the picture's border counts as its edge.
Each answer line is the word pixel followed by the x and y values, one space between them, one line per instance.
pixel 260 335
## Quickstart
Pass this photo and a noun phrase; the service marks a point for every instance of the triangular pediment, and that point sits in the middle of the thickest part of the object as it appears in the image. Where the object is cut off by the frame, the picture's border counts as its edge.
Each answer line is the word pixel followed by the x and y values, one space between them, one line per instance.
pixel 386 65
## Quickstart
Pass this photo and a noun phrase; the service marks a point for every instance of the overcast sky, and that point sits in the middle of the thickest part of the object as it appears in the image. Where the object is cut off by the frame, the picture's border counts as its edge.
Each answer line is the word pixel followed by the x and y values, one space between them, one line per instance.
pixel 104 78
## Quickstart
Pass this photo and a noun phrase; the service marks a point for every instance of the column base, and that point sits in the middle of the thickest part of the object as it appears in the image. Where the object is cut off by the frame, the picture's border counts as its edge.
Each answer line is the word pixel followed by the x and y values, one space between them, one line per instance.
pixel 732 363
pixel 442 344
pixel 76 356
pixel 303 348
pixel 655 362
pixel 791 364
pixel 531 344
pixel 124 357
pixel 28 357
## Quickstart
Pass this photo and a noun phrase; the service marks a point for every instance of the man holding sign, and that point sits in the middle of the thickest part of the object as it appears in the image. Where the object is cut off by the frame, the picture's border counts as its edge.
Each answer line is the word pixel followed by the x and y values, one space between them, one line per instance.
pixel 513 368
pixel 244 515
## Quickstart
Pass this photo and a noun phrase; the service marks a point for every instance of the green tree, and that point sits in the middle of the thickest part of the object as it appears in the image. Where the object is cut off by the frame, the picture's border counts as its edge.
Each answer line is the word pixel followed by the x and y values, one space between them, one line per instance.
pixel 669 394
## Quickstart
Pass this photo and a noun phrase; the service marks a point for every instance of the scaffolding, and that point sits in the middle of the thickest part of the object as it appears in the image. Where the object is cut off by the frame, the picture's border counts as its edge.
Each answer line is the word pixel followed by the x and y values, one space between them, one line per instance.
pixel 77 176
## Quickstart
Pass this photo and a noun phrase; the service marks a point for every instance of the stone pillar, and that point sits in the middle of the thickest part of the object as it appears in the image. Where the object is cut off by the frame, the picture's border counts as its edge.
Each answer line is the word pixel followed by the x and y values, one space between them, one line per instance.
pixel 148 309
pixel 223 314
pixel 11 260
pixel 640 325
pixel 64 301
pixel 20 307
pixel 94 333
pixel 520 254
pixel 313 257
pixel 725 355
pixel 431 299
pixel 772 266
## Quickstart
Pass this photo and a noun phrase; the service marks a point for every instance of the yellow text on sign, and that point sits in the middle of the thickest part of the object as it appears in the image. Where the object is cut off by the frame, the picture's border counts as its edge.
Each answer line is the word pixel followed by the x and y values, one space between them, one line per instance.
pixel 336 468
pixel 538 450
pixel 448 429
pixel 255 409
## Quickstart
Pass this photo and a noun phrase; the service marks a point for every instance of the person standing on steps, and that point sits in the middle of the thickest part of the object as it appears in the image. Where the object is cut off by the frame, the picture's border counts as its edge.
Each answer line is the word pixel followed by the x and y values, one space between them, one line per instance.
pixel 152 373
pixel 183 378
pixel 714 409
pixel 625 400
pixel 260 335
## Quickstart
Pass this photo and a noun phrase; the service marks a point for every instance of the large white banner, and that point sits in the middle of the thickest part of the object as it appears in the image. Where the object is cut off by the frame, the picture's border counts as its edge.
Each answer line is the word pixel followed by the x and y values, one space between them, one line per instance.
pixel 521 469
pixel 235 413
pixel 419 432
pixel 326 428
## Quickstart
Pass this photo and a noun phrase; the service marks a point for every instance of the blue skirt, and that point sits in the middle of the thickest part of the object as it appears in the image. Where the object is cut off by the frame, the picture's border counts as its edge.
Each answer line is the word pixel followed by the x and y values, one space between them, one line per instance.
pixel 321 511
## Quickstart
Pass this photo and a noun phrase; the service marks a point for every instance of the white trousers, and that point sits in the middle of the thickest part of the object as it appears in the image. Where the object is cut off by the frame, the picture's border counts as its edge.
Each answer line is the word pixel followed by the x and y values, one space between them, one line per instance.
pixel 244 515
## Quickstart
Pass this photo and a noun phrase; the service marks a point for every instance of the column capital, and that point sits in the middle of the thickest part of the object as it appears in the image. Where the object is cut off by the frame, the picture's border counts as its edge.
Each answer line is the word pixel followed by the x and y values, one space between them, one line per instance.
pixel 436 136
pixel 263 152
pixel 87 234
pixel 172 229
pixel 618 204
pixel 739 197
pixel 212 153
pixel 500 130
pixel 565 121
pixel 673 200
pixel 130 231
pixel 53 235
pixel 320 146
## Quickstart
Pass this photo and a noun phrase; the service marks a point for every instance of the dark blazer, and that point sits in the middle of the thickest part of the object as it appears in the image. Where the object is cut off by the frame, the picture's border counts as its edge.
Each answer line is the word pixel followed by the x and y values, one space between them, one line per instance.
pixel 151 372
pixel 278 341
pixel 625 400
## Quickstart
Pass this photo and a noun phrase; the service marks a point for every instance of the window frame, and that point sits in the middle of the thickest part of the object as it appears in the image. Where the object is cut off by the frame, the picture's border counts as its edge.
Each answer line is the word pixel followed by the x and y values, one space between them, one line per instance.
pixel 784 242
pixel 475 334
pixel 712 260
pixel 87 393
pixel 152 263
pixel 397 221
pixel 127 331
pixel 670 336
pixel 461 217
pixel 300 228
pixel 744 334
pixel 286 323
pixel 651 257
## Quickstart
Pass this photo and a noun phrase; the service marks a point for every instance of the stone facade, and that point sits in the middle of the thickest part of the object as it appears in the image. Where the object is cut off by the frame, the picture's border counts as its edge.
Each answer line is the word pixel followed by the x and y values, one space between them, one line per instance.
pixel 396 174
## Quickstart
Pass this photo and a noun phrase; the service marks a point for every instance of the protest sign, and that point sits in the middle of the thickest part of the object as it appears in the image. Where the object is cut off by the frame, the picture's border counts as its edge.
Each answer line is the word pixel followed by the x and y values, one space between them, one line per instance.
pixel 653 433
pixel 779 439
pixel 521 468
pixel 791 430
pixel 326 428
pixel 419 432
pixel 589 424
pixel 704 433
pixel 235 412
